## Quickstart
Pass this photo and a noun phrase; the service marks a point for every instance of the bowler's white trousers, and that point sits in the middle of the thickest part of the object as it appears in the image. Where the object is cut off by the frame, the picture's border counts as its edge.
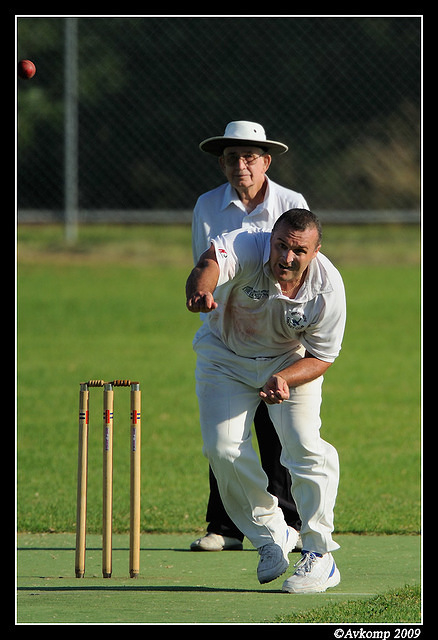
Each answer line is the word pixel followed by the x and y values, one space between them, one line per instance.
pixel 228 388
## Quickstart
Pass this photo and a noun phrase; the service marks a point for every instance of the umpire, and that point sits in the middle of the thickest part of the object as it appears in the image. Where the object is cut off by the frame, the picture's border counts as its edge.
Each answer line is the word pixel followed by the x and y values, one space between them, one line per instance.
pixel 249 199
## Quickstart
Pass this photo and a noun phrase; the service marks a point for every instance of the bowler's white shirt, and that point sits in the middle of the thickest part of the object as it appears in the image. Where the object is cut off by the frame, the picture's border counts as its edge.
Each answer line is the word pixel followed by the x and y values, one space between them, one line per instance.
pixel 254 319
pixel 220 211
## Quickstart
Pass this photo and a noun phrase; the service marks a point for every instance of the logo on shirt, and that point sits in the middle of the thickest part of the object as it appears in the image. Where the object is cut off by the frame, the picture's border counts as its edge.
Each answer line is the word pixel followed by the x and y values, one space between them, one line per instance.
pixel 223 253
pixel 296 319
pixel 256 294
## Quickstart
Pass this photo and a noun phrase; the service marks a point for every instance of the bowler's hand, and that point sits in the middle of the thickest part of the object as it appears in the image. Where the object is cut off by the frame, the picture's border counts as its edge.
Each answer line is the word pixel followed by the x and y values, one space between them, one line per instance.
pixel 201 302
pixel 275 390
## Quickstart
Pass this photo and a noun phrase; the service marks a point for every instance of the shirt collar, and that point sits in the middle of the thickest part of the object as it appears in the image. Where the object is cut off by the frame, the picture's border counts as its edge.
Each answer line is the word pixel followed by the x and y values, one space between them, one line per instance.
pixel 231 197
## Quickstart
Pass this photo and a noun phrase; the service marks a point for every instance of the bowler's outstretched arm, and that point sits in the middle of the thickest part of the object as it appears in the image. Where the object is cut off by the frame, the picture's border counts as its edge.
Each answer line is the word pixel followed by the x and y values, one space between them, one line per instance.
pixel 202 282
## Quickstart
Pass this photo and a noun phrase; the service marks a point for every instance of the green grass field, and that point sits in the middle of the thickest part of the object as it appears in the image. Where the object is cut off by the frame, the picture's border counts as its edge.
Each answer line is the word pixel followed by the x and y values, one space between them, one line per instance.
pixel 113 307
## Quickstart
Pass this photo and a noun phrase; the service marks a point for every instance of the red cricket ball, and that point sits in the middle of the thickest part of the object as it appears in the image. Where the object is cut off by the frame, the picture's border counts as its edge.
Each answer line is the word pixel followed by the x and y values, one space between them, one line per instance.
pixel 26 69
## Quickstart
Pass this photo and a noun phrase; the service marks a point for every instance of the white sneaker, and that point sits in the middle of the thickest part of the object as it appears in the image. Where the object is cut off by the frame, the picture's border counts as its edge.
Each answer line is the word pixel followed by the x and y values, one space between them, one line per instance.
pixel 273 558
pixel 216 542
pixel 314 574
pixel 298 545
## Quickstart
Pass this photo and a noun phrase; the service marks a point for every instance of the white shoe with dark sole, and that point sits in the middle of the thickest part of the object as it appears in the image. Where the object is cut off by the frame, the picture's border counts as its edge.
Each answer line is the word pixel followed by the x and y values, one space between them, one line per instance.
pixel 216 542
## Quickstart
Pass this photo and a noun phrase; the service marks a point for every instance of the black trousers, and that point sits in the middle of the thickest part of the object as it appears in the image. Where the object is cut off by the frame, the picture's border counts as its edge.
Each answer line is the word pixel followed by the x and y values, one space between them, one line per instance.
pixel 279 481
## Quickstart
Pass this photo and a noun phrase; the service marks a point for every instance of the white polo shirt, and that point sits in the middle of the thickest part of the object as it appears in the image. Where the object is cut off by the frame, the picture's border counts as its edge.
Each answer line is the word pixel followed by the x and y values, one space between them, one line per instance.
pixel 254 319
pixel 220 211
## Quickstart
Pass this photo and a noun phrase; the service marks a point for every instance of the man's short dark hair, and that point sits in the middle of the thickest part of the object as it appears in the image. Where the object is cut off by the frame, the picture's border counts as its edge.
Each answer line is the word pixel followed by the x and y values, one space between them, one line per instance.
pixel 300 220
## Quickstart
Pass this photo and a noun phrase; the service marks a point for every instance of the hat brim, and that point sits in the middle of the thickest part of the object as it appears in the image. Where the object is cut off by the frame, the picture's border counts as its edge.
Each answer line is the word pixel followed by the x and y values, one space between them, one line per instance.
pixel 216 145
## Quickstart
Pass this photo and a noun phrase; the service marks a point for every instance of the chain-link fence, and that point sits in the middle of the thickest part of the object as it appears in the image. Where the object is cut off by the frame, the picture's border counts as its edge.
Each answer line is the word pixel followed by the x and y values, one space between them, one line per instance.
pixel 344 93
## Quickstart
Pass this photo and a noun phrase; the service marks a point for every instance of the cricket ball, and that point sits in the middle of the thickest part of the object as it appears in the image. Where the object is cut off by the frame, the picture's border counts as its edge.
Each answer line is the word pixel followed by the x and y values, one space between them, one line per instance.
pixel 26 69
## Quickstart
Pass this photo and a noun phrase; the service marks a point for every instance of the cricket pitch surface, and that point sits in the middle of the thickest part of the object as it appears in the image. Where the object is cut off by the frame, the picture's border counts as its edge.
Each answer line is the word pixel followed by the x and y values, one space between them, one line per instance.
pixel 179 586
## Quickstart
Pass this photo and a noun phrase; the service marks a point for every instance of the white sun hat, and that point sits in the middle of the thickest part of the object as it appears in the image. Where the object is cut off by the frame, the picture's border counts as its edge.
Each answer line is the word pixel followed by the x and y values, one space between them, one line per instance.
pixel 242 133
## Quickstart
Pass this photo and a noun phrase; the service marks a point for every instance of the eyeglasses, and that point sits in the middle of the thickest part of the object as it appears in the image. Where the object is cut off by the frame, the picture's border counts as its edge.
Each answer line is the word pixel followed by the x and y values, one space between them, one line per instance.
pixel 248 158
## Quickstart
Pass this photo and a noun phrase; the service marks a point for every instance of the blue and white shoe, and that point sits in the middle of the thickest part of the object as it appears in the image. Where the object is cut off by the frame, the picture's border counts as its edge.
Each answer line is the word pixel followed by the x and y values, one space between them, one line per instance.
pixel 314 573
pixel 273 557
